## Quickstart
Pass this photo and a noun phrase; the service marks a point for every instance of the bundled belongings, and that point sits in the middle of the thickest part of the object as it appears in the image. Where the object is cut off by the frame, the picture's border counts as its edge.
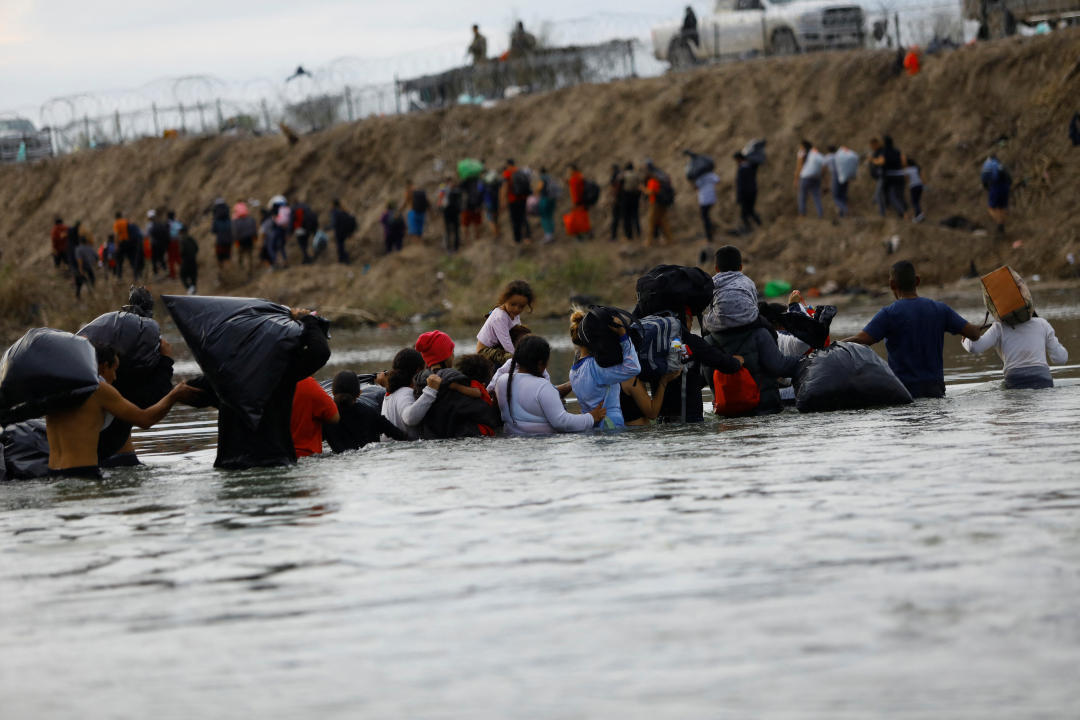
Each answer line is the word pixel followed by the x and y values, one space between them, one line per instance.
pixel 24 451
pixel 658 340
pixel 698 165
pixel 1007 296
pixel 46 371
pixel 252 353
pixel 242 345
pixel 144 376
pixel 754 151
pixel 846 376
pixel 470 168
pixel 596 334
pixel 674 289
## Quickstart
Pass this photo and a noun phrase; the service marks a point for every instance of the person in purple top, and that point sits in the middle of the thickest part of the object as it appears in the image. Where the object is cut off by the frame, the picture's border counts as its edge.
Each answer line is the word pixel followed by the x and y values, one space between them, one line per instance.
pixel 914 330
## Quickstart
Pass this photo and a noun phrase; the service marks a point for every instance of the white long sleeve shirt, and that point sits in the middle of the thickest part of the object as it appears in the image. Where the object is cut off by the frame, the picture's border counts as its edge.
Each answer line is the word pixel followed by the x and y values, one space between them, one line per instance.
pixel 1024 346
pixel 538 409
pixel 406 411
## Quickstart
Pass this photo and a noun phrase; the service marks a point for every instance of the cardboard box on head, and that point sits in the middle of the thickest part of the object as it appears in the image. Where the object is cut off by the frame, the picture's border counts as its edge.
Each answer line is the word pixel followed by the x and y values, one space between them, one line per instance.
pixel 1007 296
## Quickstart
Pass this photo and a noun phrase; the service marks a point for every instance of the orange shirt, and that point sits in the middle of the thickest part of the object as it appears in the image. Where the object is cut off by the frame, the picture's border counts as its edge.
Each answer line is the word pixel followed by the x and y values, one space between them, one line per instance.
pixel 508 174
pixel 911 63
pixel 576 183
pixel 120 230
pixel 311 408
pixel 652 189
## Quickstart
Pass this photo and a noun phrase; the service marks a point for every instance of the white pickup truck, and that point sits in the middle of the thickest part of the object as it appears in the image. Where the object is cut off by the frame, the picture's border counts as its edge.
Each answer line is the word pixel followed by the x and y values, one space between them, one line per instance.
pixel 740 28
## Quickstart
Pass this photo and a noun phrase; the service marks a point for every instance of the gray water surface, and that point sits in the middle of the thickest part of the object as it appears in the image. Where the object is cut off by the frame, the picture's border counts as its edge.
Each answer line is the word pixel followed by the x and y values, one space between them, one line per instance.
pixel 914 562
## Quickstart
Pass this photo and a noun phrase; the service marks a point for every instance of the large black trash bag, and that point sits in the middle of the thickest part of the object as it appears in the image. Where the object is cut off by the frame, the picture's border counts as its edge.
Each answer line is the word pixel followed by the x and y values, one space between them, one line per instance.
pixel 846 376
pixel 136 340
pixel 454 415
pixel 243 346
pixel 144 375
pixel 46 371
pixel 698 165
pixel 25 450
pixel 673 288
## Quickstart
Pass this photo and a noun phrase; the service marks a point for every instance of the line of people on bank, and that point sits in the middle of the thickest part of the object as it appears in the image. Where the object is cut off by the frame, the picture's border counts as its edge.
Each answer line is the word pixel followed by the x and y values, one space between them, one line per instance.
pixel 506 385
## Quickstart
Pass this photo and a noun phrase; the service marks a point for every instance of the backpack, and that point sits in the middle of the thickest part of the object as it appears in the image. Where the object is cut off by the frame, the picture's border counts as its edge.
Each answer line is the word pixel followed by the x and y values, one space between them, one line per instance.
pixel 453 198
pixel 135 234
pixel 310 221
pixel 474 194
pixel 698 165
pixel 657 350
pixel 590 195
pixel 348 223
pixel 666 195
pixel 520 184
pixel 734 393
pixel 420 202
pixel 672 288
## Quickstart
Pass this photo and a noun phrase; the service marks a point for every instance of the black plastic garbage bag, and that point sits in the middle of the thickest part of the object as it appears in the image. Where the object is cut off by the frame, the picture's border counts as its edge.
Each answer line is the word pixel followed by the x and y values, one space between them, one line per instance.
pixel 243 345
pixel 846 376
pixel 144 375
pixel 136 340
pixel 755 151
pixel 698 165
pixel 46 371
pixel 672 288
pixel 25 450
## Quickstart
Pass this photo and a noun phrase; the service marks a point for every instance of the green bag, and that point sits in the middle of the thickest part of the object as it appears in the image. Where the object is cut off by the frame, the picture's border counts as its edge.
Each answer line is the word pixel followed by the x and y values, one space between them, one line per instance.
pixel 469 168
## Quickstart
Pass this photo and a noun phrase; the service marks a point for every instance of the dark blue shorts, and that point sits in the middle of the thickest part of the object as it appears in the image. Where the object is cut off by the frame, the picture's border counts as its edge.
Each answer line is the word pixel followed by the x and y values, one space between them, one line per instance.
pixel 998 197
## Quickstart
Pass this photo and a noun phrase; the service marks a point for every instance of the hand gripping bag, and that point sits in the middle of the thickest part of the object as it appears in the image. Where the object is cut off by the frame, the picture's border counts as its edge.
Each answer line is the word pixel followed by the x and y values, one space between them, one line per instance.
pixel 243 346
pixel 46 371
pixel 596 334
pixel 846 376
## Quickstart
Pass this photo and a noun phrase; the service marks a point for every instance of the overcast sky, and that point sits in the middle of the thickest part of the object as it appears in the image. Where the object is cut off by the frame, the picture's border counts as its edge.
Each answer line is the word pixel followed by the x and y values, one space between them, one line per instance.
pixel 51 48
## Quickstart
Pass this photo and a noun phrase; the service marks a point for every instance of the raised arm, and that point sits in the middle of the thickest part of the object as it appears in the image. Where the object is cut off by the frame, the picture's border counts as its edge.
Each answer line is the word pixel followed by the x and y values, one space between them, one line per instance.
pixel 113 402
pixel 862 338
pixel 628 368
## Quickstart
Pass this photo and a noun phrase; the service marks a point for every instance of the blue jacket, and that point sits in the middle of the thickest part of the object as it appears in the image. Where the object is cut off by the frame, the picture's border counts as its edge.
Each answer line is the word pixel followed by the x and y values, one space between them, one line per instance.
pixel 595 386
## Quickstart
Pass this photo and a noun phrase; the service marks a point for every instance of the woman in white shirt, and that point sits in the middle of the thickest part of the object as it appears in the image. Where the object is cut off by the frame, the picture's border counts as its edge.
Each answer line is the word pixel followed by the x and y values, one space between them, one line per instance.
pixel 808 173
pixel 530 404
pixel 1024 349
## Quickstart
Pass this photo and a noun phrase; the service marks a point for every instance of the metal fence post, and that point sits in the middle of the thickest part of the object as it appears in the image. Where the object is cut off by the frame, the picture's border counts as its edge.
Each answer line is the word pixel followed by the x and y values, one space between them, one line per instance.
pixel 633 68
pixel 202 117
pixel 348 103
pixel 116 121
pixel 397 94
pixel 220 117
pixel 183 120
pixel 157 130
pixel 86 129
pixel 266 114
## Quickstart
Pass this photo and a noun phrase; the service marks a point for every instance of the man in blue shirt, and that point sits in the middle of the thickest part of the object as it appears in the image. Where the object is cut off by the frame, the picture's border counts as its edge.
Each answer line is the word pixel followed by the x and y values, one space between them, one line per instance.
pixel 914 331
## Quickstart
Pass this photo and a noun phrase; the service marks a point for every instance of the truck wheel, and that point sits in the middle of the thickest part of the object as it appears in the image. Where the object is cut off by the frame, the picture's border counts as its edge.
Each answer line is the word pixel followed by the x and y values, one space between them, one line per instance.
pixel 783 42
pixel 680 55
pixel 1001 23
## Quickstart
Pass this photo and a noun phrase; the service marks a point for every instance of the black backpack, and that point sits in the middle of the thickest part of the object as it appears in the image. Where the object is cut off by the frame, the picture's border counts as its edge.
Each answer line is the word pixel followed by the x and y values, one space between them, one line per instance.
pixel 453 199
pixel 348 223
pixel 474 196
pixel 419 201
pixel 311 220
pixel 520 184
pixel 672 288
pixel 666 195
pixel 591 193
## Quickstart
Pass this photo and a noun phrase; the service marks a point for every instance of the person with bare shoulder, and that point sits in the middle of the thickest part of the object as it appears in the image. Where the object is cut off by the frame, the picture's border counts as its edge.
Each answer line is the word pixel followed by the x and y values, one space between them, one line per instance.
pixel 73 434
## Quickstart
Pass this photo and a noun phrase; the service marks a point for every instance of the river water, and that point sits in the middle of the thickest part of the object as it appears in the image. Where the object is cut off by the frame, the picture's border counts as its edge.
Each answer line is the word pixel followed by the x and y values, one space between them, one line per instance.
pixel 916 562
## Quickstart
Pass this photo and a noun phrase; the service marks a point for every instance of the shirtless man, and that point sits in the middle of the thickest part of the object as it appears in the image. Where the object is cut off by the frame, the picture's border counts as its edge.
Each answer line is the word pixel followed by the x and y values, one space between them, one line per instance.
pixel 73 434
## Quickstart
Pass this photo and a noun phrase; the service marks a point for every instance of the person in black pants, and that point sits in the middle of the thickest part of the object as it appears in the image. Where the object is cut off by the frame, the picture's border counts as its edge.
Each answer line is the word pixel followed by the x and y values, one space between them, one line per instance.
pixel 616 186
pixel 746 191
pixel 630 202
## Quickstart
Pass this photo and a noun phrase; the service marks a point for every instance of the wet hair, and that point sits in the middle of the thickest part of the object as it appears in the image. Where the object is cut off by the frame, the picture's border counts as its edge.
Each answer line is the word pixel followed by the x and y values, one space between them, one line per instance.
pixel 140 302
pixel 407 363
pixel 904 275
pixel 517 332
pixel 576 316
pixel 532 352
pixel 728 259
pixel 517 287
pixel 476 367
pixel 346 387
pixel 106 355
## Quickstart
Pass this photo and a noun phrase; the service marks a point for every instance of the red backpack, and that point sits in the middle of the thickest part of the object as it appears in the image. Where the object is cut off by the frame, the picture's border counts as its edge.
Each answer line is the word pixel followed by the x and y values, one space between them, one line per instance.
pixel 734 394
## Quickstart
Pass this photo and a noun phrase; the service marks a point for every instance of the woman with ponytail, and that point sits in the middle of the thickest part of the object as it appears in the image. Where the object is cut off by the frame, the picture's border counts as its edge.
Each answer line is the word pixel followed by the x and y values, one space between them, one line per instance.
pixel 530 404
